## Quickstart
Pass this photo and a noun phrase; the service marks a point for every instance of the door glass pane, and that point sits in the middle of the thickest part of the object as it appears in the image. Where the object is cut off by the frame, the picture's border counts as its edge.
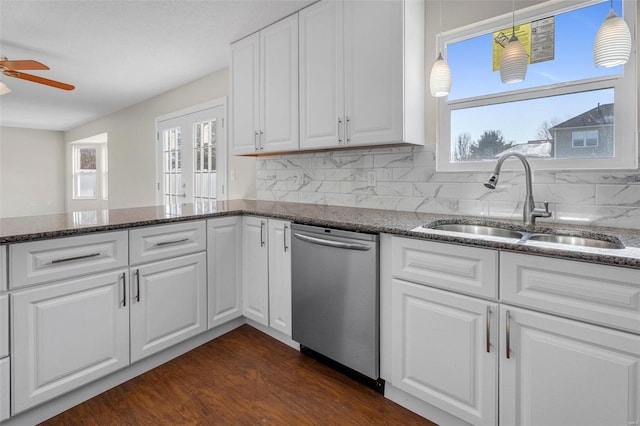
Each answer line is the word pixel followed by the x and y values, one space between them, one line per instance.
pixel 204 160
pixel 172 153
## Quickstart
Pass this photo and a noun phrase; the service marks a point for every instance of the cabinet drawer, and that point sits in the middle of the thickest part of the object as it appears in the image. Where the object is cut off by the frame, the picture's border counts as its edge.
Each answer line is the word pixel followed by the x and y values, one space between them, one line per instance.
pixel 4 325
pixel 452 267
pixel 49 260
pixel 4 389
pixel 167 241
pixel 606 295
pixel 3 268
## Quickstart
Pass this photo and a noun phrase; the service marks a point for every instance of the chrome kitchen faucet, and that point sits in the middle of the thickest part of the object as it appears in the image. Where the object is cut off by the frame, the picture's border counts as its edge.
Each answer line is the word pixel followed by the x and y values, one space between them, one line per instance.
pixel 529 210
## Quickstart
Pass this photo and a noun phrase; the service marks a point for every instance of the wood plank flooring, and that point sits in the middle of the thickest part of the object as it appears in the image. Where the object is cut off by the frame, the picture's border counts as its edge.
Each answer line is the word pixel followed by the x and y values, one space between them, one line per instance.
pixel 241 378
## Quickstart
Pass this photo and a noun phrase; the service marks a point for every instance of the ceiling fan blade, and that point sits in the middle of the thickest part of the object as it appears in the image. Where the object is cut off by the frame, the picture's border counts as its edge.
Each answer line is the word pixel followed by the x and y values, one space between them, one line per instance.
pixel 41 80
pixel 23 65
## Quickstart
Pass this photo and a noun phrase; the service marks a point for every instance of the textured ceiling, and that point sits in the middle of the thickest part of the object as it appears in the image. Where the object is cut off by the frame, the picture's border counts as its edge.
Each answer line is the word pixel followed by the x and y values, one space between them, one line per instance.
pixel 118 53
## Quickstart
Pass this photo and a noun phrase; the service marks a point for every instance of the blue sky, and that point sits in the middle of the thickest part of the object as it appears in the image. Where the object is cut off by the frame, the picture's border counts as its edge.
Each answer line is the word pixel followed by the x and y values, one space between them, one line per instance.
pixel 472 75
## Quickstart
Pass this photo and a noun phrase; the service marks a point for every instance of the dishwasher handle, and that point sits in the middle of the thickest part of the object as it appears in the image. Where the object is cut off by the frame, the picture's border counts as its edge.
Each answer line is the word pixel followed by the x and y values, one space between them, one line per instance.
pixel 331 243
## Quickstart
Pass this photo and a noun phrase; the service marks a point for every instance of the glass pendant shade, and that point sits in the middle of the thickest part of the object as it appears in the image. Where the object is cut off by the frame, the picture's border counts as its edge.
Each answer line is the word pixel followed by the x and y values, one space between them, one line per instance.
pixel 613 42
pixel 513 64
pixel 4 89
pixel 440 78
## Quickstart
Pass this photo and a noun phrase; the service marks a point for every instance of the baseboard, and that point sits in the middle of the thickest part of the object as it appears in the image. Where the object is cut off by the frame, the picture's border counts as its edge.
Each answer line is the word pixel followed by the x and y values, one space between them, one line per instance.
pixel 278 335
pixel 421 408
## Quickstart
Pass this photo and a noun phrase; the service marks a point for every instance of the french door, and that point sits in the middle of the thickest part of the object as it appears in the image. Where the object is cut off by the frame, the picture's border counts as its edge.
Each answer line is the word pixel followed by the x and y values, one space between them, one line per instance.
pixel 192 156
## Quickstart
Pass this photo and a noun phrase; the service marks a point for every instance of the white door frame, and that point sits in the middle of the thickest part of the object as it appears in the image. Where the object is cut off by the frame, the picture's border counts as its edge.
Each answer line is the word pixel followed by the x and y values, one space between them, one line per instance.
pixel 222 159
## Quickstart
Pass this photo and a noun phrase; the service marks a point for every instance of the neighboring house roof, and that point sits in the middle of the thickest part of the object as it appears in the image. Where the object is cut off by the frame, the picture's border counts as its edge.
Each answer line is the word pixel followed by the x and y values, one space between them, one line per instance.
pixel 530 149
pixel 598 116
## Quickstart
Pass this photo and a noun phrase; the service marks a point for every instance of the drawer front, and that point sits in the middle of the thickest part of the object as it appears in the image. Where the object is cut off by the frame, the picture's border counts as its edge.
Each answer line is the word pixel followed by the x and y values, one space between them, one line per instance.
pixel 452 267
pixel 4 389
pixel 606 295
pixel 50 260
pixel 4 325
pixel 167 241
pixel 3 268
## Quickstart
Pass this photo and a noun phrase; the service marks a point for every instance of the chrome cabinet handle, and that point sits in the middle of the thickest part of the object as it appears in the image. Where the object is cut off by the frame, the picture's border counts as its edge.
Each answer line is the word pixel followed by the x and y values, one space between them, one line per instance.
pixel 339 126
pixel 137 285
pixel 124 289
pixel 71 259
pixel 261 140
pixel 284 236
pixel 488 329
pixel 255 141
pixel 348 130
pixel 508 328
pixel 166 243
pixel 262 233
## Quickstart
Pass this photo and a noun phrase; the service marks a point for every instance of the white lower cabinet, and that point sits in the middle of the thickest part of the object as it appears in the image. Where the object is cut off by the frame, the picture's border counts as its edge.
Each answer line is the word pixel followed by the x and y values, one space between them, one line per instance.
pixel 67 334
pixel 255 269
pixel 266 278
pixel 556 371
pixel 445 350
pixel 5 409
pixel 168 303
pixel 224 270
pixel 280 275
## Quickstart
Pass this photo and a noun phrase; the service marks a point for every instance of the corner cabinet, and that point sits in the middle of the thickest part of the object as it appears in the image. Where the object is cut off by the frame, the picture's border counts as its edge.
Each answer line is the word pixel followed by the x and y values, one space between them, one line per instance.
pixel 264 90
pixel 361 73
pixel 224 251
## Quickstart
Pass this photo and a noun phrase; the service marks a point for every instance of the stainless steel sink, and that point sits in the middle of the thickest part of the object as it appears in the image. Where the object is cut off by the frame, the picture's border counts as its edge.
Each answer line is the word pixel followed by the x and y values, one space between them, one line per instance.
pixel 577 241
pixel 492 231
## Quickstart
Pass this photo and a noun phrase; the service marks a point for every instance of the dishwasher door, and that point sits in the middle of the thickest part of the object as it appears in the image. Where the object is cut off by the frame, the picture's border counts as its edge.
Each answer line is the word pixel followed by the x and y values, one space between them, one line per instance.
pixel 335 295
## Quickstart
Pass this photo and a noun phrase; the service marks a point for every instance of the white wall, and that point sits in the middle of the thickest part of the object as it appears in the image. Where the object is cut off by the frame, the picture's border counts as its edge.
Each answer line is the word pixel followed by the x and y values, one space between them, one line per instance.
pixel 31 172
pixel 132 144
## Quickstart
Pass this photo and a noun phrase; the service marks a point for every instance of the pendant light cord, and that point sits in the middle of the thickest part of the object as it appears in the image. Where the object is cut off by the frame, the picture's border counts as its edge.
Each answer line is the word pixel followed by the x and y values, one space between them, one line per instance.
pixel 513 19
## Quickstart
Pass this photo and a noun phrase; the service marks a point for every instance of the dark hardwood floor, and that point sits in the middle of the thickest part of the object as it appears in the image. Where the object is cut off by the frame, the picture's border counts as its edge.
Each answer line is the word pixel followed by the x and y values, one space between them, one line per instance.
pixel 241 378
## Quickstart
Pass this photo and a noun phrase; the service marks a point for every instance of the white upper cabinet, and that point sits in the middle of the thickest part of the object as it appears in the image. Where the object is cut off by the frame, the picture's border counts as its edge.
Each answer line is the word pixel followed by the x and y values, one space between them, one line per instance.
pixel 245 114
pixel 361 73
pixel 264 90
pixel 321 75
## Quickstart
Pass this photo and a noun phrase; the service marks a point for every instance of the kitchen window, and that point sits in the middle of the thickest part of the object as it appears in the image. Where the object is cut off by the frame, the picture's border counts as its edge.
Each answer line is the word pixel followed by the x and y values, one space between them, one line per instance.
pixel 564 103
pixel 84 172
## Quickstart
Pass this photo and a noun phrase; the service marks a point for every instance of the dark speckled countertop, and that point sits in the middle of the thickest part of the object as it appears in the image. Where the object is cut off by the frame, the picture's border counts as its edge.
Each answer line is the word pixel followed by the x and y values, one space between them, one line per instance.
pixel 30 228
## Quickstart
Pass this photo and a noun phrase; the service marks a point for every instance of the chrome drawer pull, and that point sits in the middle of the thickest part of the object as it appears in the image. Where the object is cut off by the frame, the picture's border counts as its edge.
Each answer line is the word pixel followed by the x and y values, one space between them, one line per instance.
pixel 488 329
pixel 166 243
pixel 508 337
pixel 71 259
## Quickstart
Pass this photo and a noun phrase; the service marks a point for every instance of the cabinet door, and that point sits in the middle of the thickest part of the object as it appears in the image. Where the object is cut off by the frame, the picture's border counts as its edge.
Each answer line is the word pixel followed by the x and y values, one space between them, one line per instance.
pixel 321 75
pixel 224 240
pixel 279 86
pixel 445 350
pixel 4 389
pixel 244 76
pixel 373 35
pixel 66 335
pixel 4 325
pixel 3 268
pixel 563 372
pixel 280 276
pixel 255 269
pixel 168 303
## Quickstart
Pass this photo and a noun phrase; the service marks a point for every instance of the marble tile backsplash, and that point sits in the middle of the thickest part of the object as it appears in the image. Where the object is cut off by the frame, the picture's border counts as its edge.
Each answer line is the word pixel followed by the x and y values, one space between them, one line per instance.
pixel 405 178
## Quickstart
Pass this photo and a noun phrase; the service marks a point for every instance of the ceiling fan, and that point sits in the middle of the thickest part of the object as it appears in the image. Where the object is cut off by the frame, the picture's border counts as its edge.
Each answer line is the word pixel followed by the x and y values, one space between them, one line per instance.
pixel 14 69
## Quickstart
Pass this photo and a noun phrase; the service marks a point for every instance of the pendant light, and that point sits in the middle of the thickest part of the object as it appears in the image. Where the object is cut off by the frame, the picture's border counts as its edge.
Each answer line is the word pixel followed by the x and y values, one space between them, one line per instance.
pixel 440 77
pixel 613 42
pixel 4 89
pixel 513 64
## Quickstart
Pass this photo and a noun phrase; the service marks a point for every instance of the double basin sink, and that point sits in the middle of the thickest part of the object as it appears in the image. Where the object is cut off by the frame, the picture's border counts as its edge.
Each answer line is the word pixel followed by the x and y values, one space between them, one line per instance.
pixel 572 238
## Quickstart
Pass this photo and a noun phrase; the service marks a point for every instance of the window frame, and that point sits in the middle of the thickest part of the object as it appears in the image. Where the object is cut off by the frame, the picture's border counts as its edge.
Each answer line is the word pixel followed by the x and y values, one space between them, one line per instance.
pixel 76 171
pixel 624 85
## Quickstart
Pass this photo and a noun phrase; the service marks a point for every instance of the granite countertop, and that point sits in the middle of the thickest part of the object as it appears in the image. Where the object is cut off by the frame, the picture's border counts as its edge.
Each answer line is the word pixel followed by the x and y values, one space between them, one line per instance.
pixel 403 223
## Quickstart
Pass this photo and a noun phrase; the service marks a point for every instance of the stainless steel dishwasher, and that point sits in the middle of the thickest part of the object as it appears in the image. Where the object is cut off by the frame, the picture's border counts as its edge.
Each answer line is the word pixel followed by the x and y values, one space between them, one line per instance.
pixel 335 295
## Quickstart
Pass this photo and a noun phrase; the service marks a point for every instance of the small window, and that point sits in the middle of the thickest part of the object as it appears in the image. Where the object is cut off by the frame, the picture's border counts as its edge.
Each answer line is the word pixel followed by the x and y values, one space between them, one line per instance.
pixel 84 173
pixel 564 105
pixel 585 138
